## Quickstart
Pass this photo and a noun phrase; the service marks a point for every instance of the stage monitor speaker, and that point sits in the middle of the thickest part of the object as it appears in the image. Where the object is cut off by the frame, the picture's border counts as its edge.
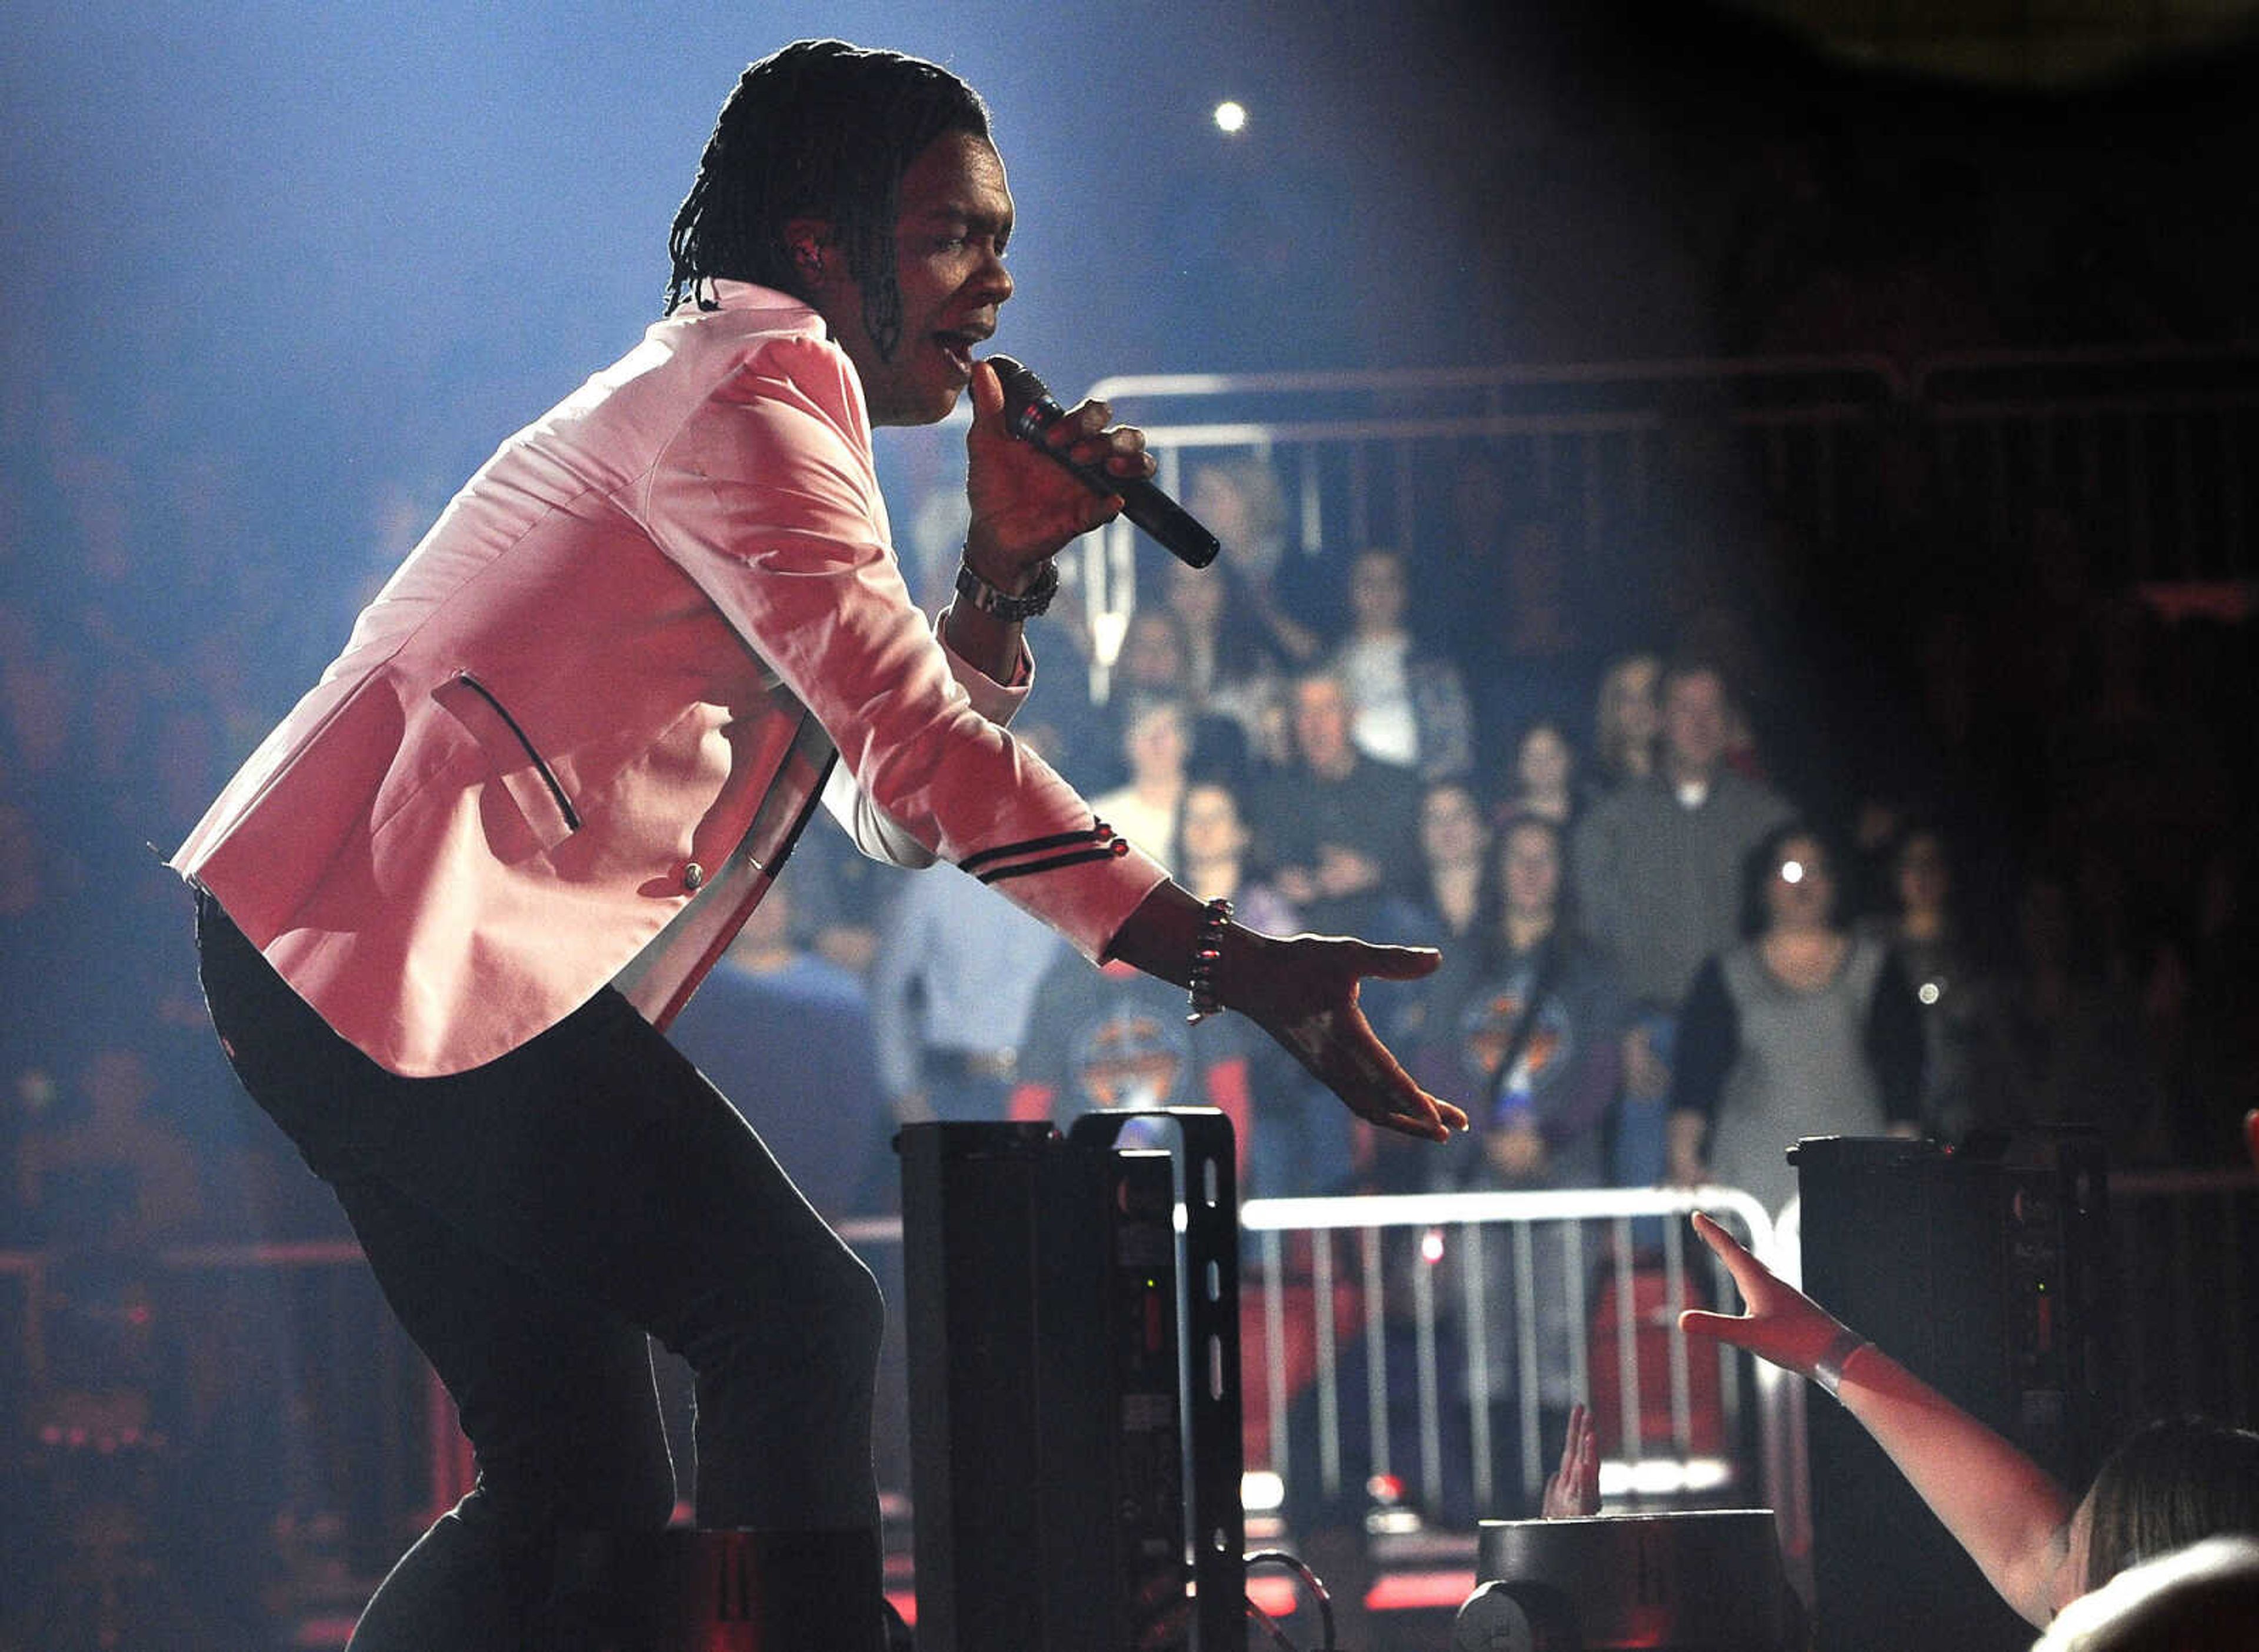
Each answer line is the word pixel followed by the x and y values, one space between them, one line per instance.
pixel 1986 1273
pixel 1073 1322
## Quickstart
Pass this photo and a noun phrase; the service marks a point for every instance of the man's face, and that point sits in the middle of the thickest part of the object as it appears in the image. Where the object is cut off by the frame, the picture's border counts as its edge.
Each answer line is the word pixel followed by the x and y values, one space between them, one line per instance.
pixel 1694 722
pixel 949 265
pixel 1320 721
pixel 1376 591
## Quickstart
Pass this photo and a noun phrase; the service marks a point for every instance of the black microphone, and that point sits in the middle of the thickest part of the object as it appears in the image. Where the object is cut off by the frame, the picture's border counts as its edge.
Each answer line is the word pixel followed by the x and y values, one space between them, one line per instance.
pixel 1029 411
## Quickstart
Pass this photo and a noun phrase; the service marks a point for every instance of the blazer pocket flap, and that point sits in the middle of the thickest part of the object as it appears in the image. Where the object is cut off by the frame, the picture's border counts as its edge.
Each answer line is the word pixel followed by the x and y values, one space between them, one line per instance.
pixel 522 772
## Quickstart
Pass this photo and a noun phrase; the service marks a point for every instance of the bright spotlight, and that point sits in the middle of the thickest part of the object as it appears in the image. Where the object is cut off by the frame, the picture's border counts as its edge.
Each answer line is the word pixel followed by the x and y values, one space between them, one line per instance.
pixel 1230 116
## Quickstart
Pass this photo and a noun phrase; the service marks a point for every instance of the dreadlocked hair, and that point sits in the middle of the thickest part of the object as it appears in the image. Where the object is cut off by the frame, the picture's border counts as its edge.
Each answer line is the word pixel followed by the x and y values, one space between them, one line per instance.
pixel 821 130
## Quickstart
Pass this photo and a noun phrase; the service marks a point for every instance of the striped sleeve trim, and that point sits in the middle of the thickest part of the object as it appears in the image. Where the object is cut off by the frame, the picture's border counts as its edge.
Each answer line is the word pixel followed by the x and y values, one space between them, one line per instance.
pixel 1045 854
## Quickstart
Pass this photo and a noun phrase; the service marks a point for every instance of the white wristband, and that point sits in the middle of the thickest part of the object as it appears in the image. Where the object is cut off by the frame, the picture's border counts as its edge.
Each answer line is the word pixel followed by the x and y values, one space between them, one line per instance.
pixel 1827 1370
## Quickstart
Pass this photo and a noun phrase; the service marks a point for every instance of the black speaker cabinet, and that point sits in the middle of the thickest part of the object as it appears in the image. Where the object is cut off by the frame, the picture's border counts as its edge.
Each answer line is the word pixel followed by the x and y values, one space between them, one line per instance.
pixel 1074 1385
pixel 1986 1273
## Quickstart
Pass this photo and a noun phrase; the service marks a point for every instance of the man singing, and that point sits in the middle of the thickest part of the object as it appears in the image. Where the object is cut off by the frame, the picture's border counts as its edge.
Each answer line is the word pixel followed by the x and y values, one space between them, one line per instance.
pixel 447 906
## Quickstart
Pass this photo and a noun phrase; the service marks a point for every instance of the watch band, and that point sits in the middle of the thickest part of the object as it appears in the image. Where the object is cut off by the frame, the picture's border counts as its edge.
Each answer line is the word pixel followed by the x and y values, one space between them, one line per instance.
pixel 1002 604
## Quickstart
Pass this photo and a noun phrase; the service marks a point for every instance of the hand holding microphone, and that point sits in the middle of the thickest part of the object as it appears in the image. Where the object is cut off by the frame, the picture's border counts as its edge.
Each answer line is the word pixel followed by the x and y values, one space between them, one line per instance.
pixel 1029 413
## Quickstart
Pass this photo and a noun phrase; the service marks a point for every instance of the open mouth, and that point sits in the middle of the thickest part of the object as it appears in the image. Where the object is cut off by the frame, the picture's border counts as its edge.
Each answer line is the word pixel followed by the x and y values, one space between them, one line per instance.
pixel 957 347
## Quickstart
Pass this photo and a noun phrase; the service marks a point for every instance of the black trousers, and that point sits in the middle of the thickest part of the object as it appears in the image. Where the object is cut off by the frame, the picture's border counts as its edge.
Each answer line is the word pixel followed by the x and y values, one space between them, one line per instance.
pixel 529 1221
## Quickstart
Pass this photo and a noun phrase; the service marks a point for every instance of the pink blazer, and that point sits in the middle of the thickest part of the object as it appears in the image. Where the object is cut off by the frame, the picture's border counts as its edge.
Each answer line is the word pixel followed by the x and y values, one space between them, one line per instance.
pixel 587 696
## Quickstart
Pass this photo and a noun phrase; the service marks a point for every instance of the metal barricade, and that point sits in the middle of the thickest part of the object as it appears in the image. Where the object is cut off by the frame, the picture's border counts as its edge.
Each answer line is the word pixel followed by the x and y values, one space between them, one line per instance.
pixel 2152 450
pixel 1606 453
pixel 1381 1299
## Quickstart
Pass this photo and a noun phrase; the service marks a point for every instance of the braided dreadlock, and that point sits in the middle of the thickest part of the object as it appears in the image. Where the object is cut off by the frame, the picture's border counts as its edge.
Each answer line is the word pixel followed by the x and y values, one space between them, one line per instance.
pixel 823 130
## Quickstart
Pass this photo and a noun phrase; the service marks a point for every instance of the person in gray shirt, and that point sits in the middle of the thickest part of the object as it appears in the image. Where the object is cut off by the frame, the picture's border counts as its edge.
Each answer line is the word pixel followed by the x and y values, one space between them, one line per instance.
pixel 1656 867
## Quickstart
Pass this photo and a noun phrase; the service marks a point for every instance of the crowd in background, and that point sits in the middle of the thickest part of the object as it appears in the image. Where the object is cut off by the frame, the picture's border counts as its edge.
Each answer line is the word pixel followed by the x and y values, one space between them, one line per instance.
pixel 1697 894
pixel 1711 865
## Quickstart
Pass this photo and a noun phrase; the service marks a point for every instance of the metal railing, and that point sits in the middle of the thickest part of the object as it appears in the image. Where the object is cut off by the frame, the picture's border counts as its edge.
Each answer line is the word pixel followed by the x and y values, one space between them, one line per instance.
pixel 2155 454
pixel 370 1430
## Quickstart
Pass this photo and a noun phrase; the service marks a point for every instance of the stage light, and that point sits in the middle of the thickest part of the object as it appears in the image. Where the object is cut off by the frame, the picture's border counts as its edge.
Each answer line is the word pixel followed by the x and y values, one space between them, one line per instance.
pixel 1230 116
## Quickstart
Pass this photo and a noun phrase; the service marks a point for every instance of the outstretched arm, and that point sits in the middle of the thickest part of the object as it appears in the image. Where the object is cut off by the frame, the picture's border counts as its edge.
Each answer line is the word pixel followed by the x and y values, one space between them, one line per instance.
pixel 2014 1521
pixel 1303 992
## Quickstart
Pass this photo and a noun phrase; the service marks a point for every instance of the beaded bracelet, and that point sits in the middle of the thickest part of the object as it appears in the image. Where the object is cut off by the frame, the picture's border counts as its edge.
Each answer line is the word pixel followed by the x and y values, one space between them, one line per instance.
pixel 1208 948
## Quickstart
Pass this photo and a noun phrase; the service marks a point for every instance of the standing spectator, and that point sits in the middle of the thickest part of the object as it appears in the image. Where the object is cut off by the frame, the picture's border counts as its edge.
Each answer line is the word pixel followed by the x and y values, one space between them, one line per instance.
pixel 1454 849
pixel 1212 840
pixel 1530 991
pixel 1243 505
pixel 1408 708
pixel 1925 933
pixel 1287 1143
pixel 1452 902
pixel 1625 720
pixel 1805 1028
pixel 1231 675
pixel 1150 667
pixel 1336 832
pixel 1543 781
pixel 1658 873
pixel 786 1034
pixel 957 967
pixel 1112 1039
pixel 1525 1037
pixel 1155 744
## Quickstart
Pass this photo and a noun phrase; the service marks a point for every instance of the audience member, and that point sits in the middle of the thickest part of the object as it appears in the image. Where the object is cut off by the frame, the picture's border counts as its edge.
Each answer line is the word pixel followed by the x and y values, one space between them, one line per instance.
pixel 839 897
pixel 1453 902
pixel 1289 1144
pixel 1112 1039
pixel 1336 832
pixel 1407 707
pixel 785 1033
pixel 1525 1031
pixel 1213 841
pixel 2168 1486
pixel 1657 871
pixel 956 971
pixel 1930 940
pixel 1542 779
pixel 2203 1598
pixel 1241 503
pixel 1573 1490
pixel 1145 810
pixel 1454 845
pixel 1805 1028
pixel 1149 666
pixel 1231 675
pixel 1627 720
pixel 1524 1034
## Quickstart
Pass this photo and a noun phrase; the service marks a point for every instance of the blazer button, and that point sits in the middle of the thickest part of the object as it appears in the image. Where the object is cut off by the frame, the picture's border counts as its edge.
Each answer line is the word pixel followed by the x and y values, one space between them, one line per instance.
pixel 694 877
